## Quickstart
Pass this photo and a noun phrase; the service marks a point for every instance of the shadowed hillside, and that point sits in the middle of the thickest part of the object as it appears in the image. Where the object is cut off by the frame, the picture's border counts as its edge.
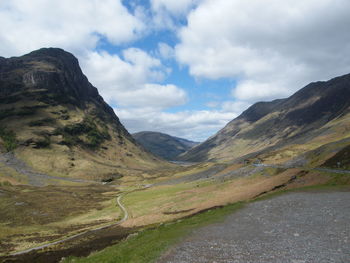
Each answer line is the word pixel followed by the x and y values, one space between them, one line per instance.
pixel 163 145
pixel 56 121
pixel 313 112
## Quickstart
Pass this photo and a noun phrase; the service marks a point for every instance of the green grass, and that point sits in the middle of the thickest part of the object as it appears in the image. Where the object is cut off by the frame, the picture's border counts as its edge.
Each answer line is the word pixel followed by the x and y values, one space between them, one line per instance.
pixel 5 183
pixel 85 132
pixel 336 178
pixel 148 245
pixel 143 202
pixel 9 139
pixel 41 122
pixel 320 187
pixel 6 113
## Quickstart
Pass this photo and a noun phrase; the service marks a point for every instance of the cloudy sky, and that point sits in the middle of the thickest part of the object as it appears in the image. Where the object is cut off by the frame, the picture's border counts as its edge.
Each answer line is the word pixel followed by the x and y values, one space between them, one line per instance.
pixel 186 67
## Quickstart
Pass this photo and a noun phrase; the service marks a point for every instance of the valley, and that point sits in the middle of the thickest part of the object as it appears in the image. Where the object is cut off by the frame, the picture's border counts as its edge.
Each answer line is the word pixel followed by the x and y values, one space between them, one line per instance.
pixel 73 181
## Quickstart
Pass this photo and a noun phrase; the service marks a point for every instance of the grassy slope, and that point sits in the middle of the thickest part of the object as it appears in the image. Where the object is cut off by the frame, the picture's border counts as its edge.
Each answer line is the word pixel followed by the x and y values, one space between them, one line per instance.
pixel 27 221
pixel 113 156
pixel 317 150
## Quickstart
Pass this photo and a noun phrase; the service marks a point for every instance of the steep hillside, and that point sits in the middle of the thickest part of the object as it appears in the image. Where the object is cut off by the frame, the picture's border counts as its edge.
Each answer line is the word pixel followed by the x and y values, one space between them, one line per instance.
pixel 56 121
pixel 313 116
pixel 163 145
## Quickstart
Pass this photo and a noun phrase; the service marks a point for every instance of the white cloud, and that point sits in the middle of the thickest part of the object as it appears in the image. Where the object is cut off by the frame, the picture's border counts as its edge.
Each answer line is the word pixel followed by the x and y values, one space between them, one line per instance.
pixel 111 73
pixel 130 82
pixel 76 26
pixel 175 7
pixel 165 51
pixel 139 57
pixel 165 12
pixel 273 48
pixel 153 95
pixel 193 125
pixel 235 106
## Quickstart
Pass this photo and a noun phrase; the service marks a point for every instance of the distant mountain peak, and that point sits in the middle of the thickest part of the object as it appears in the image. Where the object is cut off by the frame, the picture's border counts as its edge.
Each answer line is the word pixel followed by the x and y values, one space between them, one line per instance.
pixel 163 145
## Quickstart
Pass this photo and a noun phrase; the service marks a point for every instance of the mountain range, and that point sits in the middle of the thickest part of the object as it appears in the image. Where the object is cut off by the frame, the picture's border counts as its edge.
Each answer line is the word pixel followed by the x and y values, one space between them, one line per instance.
pixel 54 119
pixel 73 179
pixel 163 145
pixel 282 129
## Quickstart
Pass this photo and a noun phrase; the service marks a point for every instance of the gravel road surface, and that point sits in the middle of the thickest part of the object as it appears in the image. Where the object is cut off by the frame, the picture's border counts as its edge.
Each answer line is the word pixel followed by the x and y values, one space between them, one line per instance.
pixel 299 227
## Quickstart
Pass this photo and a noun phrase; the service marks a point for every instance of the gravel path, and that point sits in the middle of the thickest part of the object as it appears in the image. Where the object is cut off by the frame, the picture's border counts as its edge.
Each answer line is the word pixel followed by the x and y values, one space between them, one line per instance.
pixel 300 227
pixel 194 177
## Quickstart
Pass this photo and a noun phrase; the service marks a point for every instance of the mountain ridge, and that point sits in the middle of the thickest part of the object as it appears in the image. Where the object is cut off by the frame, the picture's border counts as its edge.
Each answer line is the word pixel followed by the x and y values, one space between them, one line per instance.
pixel 59 122
pixel 279 122
pixel 163 145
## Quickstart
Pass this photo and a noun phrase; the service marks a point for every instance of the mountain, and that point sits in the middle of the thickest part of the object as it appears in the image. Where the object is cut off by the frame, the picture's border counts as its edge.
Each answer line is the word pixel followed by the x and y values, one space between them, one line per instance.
pixel 163 145
pixel 282 129
pixel 54 120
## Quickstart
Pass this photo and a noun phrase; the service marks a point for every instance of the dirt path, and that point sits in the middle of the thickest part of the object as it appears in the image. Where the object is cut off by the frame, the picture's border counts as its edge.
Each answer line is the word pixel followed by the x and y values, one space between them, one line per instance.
pixel 300 227
pixel 122 207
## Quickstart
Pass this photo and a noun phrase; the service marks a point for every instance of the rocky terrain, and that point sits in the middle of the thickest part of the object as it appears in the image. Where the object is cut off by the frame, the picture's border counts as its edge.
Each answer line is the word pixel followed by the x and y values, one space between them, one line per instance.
pixel 163 145
pixel 281 130
pixel 56 122
pixel 283 229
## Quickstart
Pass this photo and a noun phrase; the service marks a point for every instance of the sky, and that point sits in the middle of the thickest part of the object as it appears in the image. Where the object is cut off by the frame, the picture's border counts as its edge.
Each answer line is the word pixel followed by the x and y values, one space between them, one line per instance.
pixel 186 67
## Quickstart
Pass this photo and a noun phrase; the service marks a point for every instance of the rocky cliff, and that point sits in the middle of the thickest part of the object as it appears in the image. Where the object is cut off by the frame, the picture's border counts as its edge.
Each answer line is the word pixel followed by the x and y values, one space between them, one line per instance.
pixel 54 119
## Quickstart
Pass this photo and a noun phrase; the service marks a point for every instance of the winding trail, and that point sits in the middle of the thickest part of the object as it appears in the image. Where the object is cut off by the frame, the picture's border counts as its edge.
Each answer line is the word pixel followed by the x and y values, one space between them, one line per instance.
pixel 125 217
pixel 122 207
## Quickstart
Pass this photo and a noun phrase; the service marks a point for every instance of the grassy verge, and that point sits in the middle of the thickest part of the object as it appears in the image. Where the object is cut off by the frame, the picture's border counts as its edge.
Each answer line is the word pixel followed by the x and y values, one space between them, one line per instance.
pixel 310 188
pixel 148 245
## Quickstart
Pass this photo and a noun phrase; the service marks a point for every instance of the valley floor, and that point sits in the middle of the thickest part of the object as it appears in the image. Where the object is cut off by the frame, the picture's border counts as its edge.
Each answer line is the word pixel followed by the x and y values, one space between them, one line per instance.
pixel 157 202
